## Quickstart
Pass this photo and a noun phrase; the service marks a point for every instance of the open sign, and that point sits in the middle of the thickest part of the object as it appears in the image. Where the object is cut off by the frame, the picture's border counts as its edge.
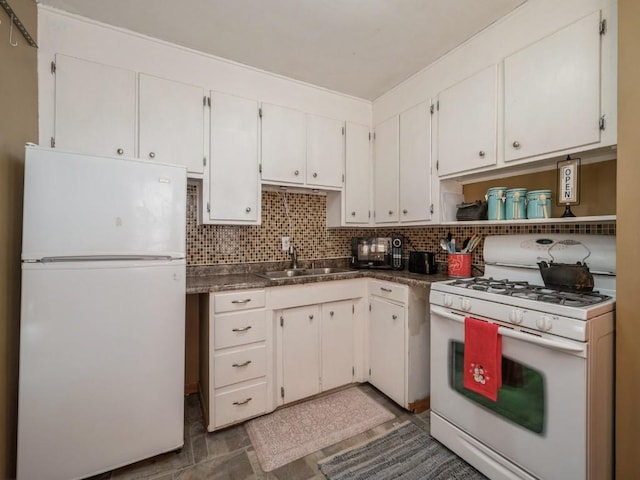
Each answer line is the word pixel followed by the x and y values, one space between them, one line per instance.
pixel 568 181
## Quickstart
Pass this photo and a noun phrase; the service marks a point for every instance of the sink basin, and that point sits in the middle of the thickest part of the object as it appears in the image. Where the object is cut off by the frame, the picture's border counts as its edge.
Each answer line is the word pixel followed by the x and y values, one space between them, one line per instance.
pixel 302 272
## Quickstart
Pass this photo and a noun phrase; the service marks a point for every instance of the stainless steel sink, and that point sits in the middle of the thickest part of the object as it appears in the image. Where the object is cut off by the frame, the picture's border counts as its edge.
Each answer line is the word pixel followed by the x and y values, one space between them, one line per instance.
pixel 302 272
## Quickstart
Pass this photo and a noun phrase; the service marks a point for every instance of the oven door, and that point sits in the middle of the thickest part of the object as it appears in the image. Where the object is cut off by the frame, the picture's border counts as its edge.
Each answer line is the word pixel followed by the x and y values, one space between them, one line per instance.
pixel 538 423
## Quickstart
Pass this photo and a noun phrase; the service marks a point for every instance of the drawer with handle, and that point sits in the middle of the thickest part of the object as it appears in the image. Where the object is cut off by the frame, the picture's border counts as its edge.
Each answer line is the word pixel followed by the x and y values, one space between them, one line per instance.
pixel 239 328
pixel 237 405
pixel 238 366
pixel 390 291
pixel 232 301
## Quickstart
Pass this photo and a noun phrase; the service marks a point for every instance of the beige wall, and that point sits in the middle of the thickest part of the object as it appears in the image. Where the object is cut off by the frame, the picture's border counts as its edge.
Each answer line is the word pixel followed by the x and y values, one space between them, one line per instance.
pixel 627 312
pixel 18 125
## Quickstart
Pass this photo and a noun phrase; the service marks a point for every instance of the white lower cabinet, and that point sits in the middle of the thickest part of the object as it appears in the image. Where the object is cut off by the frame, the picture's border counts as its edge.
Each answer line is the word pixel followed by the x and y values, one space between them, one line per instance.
pixel 399 342
pixel 386 340
pixel 336 338
pixel 317 348
pixel 300 352
pixel 262 348
pixel 235 358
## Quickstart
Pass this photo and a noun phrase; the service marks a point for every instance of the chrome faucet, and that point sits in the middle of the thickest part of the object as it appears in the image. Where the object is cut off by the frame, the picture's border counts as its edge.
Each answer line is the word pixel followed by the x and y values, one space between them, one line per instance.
pixel 294 257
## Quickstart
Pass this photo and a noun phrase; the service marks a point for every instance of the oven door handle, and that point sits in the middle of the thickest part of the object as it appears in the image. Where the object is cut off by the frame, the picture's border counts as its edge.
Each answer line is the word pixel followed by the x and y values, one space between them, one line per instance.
pixel 508 332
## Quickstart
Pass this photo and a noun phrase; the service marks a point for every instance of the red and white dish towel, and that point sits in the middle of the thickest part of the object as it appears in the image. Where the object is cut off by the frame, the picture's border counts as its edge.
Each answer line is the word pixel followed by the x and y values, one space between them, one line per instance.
pixel 482 358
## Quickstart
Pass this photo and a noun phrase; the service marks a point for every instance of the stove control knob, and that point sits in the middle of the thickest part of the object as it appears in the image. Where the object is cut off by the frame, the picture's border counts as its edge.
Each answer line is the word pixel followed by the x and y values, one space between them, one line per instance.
pixel 516 316
pixel 465 304
pixel 448 300
pixel 544 323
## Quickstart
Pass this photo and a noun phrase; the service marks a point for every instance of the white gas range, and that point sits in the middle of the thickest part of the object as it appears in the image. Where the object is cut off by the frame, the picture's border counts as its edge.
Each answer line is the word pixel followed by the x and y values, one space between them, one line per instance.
pixel 553 415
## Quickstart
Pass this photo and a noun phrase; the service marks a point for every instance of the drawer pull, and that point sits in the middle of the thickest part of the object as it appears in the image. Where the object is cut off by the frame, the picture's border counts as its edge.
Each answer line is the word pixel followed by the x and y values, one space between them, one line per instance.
pixel 386 289
pixel 246 300
pixel 244 402
pixel 394 317
pixel 243 364
pixel 243 329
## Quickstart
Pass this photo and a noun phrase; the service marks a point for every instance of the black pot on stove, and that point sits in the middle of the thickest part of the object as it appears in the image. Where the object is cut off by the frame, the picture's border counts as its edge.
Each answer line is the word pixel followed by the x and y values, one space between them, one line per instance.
pixel 574 277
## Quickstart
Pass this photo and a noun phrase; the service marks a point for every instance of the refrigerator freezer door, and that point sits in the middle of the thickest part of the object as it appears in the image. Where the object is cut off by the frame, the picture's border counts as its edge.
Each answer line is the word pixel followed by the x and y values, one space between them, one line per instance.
pixel 83 205
pixel 101 366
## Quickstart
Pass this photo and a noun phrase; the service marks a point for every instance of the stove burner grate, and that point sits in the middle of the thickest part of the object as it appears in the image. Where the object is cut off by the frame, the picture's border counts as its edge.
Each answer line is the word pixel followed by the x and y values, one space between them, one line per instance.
pixel 521 289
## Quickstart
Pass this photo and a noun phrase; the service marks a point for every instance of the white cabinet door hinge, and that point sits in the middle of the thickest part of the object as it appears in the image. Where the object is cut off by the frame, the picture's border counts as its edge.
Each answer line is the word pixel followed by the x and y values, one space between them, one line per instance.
pixel 53 68
pixel 282 392
pixel 431 209
pixel 603 26
pixel 53 142
pixel 281 321
pixel 343 131
pixel 204 161
pixel 260 112
pixel 601 123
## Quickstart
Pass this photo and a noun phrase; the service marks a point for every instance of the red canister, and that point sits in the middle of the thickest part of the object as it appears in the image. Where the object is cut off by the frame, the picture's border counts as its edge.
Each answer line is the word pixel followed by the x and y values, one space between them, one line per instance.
pixel 459 264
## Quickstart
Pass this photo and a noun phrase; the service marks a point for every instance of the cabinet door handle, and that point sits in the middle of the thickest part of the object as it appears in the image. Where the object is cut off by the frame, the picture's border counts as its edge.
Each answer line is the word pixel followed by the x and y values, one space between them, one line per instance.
pixel 246 300
pixel 315 175
pixel 353 214
pixel 244 402
pixel 405 211
pixel 120 151
pixel 390 212
pixel 310 317
pixel 243 364
pixel 481 153
pixel 296 173
pixel 386 289
pixel 152 154
pixel 243 329
pixel 331 313
pixel 516 144
pixel 248 209
pixel 394 317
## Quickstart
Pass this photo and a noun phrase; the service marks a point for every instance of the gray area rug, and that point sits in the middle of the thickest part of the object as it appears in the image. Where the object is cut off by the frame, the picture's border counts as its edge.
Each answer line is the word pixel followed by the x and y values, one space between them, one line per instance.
pixel 404 453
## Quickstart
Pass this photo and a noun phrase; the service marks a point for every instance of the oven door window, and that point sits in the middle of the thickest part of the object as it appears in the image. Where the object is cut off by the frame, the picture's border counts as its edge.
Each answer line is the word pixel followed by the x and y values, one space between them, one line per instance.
pixel 521 398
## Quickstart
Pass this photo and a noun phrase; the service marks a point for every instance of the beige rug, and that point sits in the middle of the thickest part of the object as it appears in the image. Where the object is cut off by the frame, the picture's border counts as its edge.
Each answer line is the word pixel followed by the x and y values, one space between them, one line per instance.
pixel 294 432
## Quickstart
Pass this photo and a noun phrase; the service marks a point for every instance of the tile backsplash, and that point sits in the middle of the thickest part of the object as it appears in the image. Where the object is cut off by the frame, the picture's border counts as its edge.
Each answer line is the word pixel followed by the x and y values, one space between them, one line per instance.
pixel 302 217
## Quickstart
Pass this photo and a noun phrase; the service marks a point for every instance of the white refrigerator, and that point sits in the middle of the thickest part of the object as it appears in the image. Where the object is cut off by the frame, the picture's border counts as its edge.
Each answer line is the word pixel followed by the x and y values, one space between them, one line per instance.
pixel 101 381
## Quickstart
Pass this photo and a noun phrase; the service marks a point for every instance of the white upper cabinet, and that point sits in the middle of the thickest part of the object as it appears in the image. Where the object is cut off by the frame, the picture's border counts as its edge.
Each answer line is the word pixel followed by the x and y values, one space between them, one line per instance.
pixel 467 123
pixel 552 92
pixel 233 182
pixel 358 168
pixel 385 184
pixel 300 148
pixel 95 108
pixel 284 144
pixel 415 164
pixel 171 123
pixel 325 151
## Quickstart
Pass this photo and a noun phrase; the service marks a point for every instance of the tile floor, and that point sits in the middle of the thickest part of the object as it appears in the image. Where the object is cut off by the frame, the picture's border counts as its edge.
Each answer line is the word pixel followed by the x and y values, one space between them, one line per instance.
pixel 229 455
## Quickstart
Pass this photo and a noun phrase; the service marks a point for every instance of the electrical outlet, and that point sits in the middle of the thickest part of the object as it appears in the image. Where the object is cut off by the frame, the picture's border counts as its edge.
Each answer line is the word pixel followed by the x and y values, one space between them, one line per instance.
pixel 285 244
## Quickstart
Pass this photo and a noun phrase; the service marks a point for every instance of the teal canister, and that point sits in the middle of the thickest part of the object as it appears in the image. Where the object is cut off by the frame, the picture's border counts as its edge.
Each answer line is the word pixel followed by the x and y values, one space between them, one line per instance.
pixel 495 203
pixel 539 204
pixel 515 204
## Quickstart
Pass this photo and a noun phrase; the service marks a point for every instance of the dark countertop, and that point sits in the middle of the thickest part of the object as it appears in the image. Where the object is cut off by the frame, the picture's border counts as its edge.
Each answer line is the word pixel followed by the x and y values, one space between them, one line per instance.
pixel 200 280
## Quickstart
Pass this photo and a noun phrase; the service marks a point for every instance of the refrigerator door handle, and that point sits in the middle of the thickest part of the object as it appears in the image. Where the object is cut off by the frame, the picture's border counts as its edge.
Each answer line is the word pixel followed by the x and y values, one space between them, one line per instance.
pixel 105 258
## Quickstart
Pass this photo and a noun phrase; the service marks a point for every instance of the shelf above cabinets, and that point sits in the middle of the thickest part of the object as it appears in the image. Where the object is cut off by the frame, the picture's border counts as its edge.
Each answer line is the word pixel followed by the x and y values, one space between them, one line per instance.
pixel 559 220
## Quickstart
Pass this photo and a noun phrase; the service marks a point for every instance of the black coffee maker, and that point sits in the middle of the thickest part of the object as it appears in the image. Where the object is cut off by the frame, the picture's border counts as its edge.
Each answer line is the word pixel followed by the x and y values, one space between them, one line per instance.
pixel 423 262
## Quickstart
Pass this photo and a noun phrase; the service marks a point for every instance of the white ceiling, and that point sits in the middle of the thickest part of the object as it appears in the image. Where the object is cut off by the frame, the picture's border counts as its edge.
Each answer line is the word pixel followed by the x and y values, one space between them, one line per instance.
pixel 358 47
